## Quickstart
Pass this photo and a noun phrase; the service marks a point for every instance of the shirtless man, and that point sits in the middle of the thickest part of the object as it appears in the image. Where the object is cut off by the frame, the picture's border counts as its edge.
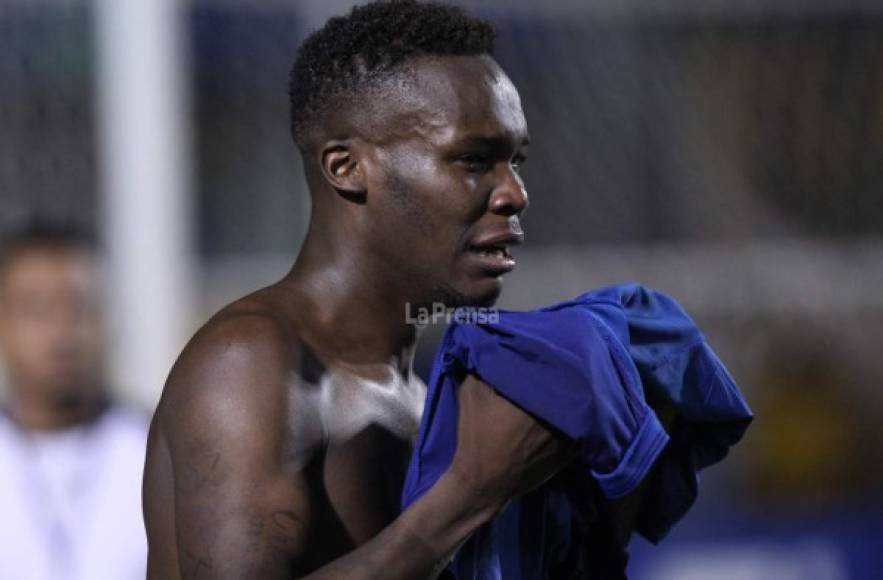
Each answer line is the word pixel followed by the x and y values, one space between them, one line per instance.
pixel 280 444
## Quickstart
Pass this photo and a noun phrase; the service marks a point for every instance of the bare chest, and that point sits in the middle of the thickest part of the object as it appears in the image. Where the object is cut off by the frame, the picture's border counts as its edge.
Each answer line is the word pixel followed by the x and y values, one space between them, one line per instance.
pixel 366 428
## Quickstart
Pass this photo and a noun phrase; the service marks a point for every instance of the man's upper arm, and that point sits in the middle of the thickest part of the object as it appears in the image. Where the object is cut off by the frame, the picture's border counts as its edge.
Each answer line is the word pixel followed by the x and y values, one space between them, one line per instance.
pixel 240 508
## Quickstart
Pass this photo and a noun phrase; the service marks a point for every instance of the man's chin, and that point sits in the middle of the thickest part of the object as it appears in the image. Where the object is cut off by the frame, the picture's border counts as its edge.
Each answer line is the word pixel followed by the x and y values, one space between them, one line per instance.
pixel 484 296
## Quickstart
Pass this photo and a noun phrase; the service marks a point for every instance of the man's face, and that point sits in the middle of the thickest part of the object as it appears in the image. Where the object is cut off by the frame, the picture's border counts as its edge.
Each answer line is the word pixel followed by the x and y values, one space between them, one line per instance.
pixel 448 152
pixel 50 329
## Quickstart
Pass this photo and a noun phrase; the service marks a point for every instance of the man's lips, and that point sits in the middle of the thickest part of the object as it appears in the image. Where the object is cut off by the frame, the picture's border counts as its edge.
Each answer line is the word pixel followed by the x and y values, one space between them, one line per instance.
pixel 503 239
pixel 493 252
pixel 496 263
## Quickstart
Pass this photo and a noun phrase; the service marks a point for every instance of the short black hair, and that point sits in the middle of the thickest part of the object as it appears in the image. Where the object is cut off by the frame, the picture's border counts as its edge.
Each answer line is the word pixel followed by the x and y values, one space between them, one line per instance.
pixel 43 233
pixel 351 51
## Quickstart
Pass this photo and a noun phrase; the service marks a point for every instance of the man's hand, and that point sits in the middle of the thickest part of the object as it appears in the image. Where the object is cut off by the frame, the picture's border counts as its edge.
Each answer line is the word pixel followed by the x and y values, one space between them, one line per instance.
pixel 502 451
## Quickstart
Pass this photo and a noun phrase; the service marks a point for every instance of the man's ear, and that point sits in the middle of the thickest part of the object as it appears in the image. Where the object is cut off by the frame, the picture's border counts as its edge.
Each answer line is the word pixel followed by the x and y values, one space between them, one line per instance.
pixel 343 169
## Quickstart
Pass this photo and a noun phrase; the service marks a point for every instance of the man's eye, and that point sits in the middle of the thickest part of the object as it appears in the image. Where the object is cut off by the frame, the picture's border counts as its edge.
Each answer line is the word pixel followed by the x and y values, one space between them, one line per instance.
pixel 517 162
pixel 475 163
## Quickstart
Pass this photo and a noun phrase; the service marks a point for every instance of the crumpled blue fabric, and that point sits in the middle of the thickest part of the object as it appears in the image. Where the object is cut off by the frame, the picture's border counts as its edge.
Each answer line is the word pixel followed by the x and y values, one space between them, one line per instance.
pixel 588 367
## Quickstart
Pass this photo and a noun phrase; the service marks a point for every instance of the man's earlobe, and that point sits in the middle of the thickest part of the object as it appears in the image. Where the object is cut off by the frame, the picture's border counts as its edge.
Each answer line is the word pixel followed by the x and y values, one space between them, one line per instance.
pixel 342 169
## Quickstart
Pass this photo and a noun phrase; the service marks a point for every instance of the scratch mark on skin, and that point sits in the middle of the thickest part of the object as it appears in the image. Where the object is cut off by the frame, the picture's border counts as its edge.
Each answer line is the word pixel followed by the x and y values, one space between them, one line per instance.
pixel 201 480
pixel 198 564
pixel 284 529
pixel 204 469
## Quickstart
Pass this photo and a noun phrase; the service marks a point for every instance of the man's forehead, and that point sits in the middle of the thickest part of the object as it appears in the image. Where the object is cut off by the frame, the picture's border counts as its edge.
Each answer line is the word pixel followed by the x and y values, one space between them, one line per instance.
pixel 451 98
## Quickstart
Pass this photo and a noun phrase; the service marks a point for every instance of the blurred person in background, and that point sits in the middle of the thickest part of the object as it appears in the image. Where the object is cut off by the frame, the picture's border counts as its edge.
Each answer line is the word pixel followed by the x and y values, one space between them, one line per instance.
pixel 70 457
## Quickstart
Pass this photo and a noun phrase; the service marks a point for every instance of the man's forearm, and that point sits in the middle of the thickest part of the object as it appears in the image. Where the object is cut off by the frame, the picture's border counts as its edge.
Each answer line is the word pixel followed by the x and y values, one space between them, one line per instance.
pixel 421 541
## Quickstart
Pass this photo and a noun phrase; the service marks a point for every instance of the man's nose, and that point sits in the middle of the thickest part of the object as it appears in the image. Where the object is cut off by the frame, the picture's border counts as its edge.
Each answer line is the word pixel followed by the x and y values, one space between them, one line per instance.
pixel 509 197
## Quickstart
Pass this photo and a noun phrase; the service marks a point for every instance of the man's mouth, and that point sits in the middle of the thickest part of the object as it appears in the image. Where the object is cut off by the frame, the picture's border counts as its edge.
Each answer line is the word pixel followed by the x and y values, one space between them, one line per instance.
pixel 499 252
pixel 494 253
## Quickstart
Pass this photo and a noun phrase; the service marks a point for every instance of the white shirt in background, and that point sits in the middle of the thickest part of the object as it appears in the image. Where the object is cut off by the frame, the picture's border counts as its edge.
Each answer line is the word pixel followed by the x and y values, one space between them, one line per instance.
pixel 70 500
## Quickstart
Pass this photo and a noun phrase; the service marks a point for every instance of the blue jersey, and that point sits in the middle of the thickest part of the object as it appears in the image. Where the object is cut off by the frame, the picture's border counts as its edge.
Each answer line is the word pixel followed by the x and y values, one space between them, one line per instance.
pixel 587 367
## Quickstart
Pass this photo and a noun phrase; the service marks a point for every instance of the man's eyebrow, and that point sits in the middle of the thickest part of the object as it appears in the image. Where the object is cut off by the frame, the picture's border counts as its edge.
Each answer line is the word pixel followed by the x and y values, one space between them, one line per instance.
pixel 492 142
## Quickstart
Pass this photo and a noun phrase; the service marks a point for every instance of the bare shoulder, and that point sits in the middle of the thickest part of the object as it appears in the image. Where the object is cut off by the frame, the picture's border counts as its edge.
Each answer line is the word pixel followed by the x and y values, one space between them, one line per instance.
pixel 244 333
pixel 236 374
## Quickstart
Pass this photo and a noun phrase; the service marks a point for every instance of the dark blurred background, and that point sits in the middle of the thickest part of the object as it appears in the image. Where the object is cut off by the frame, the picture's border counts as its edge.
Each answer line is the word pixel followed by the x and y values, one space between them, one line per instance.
pixel 729 154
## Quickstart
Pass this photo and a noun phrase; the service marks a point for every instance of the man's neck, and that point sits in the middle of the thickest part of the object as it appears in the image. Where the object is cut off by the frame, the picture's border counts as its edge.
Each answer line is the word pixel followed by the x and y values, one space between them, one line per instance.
pixel 352 314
